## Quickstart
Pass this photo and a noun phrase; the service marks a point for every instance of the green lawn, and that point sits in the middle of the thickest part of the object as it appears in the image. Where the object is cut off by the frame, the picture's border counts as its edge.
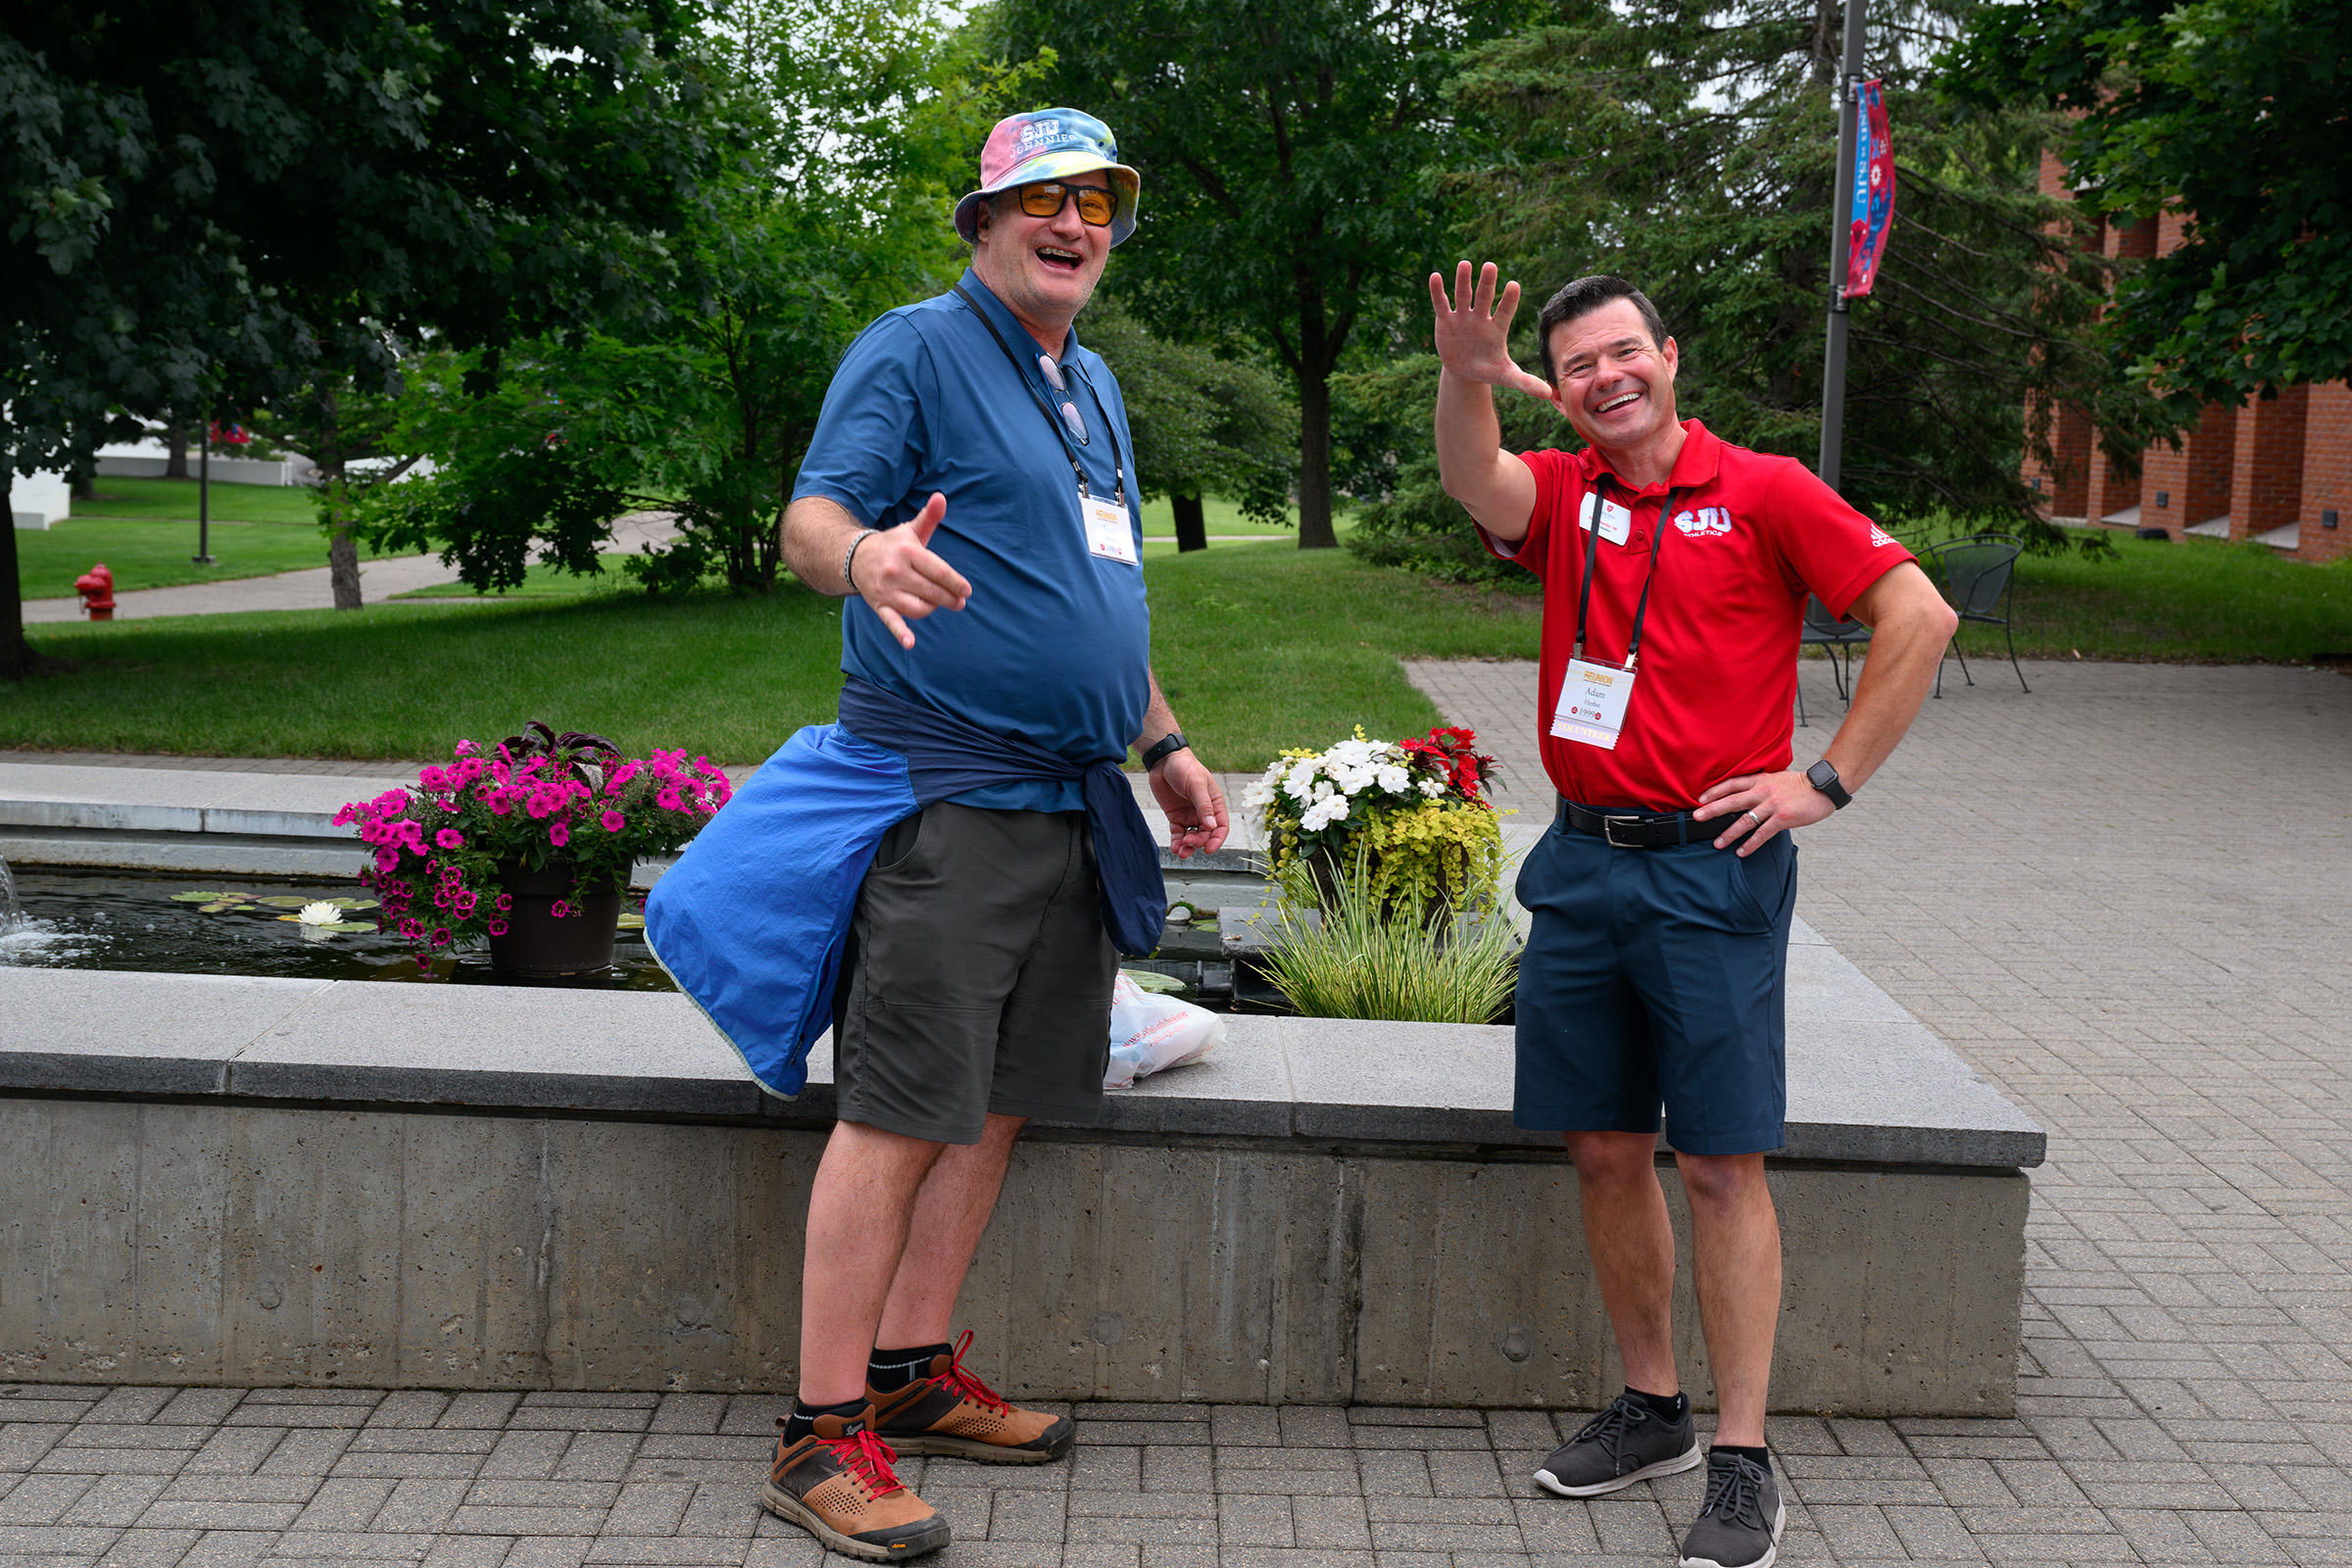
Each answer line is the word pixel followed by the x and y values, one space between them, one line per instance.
pixel 1260 647
pixel 2197 602
pixel 156 500
pixel 156 554
pixel 1221 517
pixel 538 582
pixel 145 531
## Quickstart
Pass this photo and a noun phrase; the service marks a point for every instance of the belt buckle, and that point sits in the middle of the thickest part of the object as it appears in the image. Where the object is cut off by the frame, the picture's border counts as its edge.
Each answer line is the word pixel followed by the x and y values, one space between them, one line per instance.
pixel 1608 832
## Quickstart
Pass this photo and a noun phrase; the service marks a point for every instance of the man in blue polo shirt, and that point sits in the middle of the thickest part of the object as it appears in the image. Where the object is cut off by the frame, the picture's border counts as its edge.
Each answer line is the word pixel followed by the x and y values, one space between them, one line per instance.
pixel 971 458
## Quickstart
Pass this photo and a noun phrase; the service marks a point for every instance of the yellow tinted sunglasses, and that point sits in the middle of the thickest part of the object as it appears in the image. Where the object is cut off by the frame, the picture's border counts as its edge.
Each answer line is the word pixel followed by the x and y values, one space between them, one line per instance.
pixel 1045 199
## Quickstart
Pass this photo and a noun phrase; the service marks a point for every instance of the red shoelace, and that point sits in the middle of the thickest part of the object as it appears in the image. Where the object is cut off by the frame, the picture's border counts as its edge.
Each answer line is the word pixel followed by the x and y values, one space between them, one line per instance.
pixel 869 1460
pixel 970 1387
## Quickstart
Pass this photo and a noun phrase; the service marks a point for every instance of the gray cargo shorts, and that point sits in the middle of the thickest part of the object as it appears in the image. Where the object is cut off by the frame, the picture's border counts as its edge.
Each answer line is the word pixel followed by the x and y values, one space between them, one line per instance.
pixel 976 976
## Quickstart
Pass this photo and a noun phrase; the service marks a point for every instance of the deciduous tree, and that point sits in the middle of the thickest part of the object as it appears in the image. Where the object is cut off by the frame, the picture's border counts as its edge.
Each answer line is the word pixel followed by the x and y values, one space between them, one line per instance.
pixel 2231 113
pixel 222 199
pixel 1288 149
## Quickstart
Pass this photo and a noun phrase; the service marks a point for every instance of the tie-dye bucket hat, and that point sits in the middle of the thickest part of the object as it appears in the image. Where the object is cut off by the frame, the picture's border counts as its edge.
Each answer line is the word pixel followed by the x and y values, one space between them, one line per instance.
pixel 1050 144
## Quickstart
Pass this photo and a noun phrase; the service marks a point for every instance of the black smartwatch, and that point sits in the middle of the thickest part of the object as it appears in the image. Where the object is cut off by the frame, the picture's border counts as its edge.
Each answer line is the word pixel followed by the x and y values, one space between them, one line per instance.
pixel 1169 745
pixel 1824 777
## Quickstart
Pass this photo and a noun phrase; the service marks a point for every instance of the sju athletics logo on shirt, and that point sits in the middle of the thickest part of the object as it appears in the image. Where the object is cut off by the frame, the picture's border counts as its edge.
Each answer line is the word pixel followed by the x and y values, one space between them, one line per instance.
pixel 1705 522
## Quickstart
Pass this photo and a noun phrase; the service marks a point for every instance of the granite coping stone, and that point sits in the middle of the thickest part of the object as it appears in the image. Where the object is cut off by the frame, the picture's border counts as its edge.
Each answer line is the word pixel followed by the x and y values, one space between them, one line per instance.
pixel 1861 1088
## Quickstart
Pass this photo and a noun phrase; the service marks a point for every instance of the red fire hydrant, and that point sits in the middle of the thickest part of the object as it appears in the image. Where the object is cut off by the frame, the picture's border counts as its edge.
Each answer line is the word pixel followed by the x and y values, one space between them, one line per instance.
pixel 97 589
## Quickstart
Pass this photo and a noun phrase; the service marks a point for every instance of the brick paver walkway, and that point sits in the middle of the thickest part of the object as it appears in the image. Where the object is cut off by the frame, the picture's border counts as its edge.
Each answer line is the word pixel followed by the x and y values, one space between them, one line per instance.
pixel 2122 898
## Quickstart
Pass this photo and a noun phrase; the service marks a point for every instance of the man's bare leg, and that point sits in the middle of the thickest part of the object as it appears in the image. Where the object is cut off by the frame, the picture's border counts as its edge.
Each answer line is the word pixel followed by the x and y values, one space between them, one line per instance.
pixel 951 1211
pixel 1736 1248
pixel 860 1209
pixel 1631 1243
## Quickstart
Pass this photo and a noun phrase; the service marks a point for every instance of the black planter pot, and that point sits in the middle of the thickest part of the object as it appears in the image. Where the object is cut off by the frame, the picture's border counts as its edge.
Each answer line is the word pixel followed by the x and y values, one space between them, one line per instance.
pixel 539 945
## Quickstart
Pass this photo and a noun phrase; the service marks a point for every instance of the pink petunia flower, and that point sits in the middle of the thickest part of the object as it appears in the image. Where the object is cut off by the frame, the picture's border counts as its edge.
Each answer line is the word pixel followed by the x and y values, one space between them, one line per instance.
pixel 559 835
pixel 498 928
pixel 613 822
pixel 559 910
pixel 449 838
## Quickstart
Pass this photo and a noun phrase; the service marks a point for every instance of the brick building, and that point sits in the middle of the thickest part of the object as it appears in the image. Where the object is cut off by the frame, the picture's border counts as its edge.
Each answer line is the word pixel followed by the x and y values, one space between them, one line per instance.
pixel 2277 471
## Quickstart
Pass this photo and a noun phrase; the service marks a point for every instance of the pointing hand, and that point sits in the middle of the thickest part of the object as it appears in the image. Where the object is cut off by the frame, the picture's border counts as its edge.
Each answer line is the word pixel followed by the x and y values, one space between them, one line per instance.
pixel 897 573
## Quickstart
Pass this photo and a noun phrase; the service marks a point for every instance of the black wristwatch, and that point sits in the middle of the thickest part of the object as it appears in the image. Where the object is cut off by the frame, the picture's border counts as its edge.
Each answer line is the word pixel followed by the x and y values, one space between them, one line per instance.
pixel 1824 777
pixel 1162 749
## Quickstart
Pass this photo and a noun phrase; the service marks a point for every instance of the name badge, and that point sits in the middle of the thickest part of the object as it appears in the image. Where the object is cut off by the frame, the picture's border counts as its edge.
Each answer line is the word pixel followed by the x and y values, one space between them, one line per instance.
pixel 1592 698
pixel 1616 521
pixel 1109 532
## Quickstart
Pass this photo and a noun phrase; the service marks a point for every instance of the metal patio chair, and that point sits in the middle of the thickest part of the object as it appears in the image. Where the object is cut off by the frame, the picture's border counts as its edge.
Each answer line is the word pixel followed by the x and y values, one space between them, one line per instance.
pixel 1825 630
pixel 1977 575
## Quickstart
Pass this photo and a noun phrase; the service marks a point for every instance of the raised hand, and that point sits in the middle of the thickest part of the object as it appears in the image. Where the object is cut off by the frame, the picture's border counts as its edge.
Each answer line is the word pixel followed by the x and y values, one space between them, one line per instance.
pixel 897 573
pixel 1473 331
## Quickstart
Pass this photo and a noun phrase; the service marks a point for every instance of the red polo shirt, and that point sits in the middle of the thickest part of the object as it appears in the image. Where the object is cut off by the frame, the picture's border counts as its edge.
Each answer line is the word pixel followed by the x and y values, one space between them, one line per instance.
pixel 1715 685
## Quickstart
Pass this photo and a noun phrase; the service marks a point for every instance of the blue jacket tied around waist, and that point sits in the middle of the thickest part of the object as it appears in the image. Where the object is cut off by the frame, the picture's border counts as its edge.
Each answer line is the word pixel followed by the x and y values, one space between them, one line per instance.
pixel 749 922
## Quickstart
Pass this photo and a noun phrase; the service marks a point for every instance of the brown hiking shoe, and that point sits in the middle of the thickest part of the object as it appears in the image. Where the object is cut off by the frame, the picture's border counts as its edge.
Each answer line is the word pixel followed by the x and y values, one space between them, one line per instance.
pixel 837 1484
pixel 954 1412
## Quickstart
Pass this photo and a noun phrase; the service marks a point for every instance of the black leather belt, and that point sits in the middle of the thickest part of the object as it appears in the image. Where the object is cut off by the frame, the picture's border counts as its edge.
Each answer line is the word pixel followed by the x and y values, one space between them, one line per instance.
pixel 1643 830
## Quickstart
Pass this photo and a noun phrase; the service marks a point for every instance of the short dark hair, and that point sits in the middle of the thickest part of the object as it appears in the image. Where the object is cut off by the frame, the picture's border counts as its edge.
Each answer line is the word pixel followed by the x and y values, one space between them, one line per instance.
pixel 1582 298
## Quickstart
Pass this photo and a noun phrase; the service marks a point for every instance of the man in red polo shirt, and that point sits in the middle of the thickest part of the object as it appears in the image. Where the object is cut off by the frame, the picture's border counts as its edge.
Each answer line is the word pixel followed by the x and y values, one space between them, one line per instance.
pixel 1675 568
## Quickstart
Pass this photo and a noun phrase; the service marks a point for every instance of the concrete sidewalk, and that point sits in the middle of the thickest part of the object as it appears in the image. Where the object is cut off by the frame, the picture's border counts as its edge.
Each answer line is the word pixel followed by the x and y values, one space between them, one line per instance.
pixel 287 590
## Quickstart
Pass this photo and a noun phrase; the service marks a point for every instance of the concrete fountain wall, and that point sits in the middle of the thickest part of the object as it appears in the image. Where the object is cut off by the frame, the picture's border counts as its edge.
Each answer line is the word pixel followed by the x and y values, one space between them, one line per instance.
pixel 219 1180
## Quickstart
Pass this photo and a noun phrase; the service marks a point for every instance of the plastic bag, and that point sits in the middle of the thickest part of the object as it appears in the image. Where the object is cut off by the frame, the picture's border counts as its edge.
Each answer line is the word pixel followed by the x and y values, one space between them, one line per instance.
pixel 1151 1034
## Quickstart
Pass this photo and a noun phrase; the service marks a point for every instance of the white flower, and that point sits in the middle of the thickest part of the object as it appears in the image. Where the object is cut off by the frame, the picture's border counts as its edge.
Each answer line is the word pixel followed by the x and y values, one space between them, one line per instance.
pixel 1393 779
pixel 1433 788
pixel 321 913
pixel 1325 812
pixel 1257 795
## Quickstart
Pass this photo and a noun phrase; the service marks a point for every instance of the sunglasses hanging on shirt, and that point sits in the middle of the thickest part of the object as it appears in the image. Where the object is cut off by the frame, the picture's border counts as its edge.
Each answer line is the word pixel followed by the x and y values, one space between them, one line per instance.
pixel 1061 388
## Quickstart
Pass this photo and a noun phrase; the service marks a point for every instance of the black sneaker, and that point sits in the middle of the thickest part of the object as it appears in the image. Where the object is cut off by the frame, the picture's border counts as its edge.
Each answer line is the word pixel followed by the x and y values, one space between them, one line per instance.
pixel 1624 1444
pixel 1739 1524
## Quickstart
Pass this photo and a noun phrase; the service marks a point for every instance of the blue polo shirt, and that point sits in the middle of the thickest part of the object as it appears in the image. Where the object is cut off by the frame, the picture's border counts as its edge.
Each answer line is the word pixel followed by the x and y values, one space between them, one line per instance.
pixel 1056 643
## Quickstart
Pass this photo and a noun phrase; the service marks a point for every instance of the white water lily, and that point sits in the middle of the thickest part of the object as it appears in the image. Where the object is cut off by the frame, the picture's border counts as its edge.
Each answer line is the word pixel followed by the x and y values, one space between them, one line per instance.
pixel 319 913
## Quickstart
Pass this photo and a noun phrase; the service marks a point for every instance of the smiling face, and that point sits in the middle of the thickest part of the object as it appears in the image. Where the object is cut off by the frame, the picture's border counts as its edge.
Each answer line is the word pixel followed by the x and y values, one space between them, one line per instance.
pixel 1616 384
pixel 1044 269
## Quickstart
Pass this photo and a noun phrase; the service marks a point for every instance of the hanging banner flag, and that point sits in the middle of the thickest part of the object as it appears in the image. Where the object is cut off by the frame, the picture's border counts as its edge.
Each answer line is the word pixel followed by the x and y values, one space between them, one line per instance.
pixel 1874 190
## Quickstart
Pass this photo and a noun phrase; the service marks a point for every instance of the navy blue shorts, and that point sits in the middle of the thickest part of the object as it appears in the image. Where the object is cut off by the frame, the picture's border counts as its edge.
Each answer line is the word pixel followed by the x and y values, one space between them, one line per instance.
pixel 1655 977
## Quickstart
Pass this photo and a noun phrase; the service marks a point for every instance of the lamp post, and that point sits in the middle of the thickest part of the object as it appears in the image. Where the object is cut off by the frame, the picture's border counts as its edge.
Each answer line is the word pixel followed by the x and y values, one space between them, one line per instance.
pixel 204 497
pixel 1842 235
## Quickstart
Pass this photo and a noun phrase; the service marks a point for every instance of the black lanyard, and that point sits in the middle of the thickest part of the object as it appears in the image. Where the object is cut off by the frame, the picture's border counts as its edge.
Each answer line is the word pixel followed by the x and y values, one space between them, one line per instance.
pixel 1583 597
pixel 1118 464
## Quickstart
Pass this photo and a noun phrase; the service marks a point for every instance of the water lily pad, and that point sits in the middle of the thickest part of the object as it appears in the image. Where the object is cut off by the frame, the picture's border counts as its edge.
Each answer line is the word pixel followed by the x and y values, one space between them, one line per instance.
pixel 206 898
pixel 1154 980
pixel 350 925
pixel 352 904
pixel 285 901
pixel 220 908
pixel 632 922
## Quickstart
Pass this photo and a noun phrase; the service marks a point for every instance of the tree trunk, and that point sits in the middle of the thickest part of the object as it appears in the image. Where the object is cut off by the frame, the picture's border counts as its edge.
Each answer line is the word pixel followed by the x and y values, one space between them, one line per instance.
pixel 176 445
pixel 81 487
pixel 1192 523
pixel 16 658
pixel 342 552
pixel 343 569
pixel 1314 461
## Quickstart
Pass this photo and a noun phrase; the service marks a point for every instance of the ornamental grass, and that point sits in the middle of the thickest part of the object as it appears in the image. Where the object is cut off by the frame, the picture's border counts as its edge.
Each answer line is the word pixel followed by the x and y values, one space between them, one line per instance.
pixel 1360 953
